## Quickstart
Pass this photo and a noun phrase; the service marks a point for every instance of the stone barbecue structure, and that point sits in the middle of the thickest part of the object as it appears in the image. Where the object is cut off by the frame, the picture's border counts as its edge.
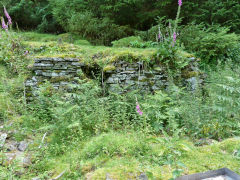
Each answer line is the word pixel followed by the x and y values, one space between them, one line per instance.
pixel 61 72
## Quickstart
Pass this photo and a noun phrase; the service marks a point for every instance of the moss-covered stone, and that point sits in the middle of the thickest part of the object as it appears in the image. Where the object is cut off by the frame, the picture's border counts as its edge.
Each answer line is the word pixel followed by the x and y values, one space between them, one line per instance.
pixel 109 68
pixel 188 74
pixel 60 79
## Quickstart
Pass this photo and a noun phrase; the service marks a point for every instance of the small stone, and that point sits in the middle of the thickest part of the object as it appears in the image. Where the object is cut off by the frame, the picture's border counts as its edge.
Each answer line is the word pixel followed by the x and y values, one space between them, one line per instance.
pixel 128 72
pixel 71 59
pixel 131 69
pixel 26 161
pixel 192 58
pixel 111 80
pixel 38 72
pixel 21 158
pixel 143 176
pixel 11 145
pixel 42 65
pixel 22 146
pixel 193 83
pixel 78 64
pixel 3 138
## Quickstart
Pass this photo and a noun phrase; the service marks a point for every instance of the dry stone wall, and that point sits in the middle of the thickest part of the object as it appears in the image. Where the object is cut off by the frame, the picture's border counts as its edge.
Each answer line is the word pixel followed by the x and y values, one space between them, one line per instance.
pixel 61 72
pixel 134 75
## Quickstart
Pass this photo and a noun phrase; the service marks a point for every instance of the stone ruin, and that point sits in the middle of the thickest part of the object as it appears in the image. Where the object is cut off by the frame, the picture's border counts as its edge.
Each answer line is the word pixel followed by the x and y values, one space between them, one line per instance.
pixel 61 72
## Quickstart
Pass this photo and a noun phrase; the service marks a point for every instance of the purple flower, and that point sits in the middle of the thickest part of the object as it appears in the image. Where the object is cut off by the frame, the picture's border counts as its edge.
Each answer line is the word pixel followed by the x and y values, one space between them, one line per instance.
pixel 26 52
pixel 4 26
pixel 138 109
pixel 180 2
pixel 7 16
pixel 174 37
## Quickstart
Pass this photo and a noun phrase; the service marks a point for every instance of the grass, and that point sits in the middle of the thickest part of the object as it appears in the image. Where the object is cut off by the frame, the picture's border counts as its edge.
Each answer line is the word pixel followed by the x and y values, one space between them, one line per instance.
pixel 120 154
pixel 127 155
pixel 41 45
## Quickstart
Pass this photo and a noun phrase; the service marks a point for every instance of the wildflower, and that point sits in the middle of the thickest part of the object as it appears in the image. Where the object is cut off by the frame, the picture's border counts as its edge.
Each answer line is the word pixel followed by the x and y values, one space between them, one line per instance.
pixel 7 16
pixel 174 37
pixel 4 26
pixel 138 109
pixel 26 52
pixel 180 2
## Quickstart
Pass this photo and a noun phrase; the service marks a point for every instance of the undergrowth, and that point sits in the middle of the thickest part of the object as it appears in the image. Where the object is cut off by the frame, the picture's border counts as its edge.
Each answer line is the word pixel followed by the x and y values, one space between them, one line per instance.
pixel 91 134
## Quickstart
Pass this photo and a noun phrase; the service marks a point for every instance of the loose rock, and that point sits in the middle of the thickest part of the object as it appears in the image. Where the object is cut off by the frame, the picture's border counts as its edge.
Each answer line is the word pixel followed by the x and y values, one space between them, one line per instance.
pixel 3 138
pixel 22 146
pixel 143 176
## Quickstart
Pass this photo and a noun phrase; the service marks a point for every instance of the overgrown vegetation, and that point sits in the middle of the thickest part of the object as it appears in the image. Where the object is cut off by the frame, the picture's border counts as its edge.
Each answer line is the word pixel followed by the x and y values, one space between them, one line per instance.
pixel 88 133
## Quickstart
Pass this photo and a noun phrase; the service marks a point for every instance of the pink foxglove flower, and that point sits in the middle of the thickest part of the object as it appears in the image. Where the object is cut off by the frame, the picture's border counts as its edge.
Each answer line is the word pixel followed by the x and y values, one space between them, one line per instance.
pixel 26 52
pixel 4 26
pixel 180 2
pixel 7 16
pixel 138 109
pixel 174 37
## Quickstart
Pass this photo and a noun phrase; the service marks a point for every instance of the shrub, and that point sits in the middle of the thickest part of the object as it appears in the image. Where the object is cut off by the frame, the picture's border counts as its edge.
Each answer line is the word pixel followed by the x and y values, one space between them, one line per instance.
pixel 40 17
pixel 133 41
pixel 224 13
pixel 126 42
pixel 213 113
pixel 97 31
pixel 12 52
pixel 212 45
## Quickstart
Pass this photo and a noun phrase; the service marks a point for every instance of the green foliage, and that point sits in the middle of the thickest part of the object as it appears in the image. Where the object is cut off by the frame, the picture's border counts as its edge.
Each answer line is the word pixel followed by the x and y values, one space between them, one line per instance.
pixel 214 111
pixel 104 21
pixel 126 42
pixel 124 145
pixel 82 42
pixel 134 42
pixel 12 52
pixel 97 31
pixel 209 12
pixel 33 36
pixel 161 112
pixel 33 14
pixel 90 133
pixel 212 45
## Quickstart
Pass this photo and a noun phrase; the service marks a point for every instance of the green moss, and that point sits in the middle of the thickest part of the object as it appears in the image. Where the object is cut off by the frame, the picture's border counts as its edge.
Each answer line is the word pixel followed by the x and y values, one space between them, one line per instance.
pixel 213 156
pixel 90 54
pixel 189 74
pixel 109 68
pixel 33 36
pixel 60 79
pixel 185 54
pixel 157 68
pixel 82 42
pixel 127 155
